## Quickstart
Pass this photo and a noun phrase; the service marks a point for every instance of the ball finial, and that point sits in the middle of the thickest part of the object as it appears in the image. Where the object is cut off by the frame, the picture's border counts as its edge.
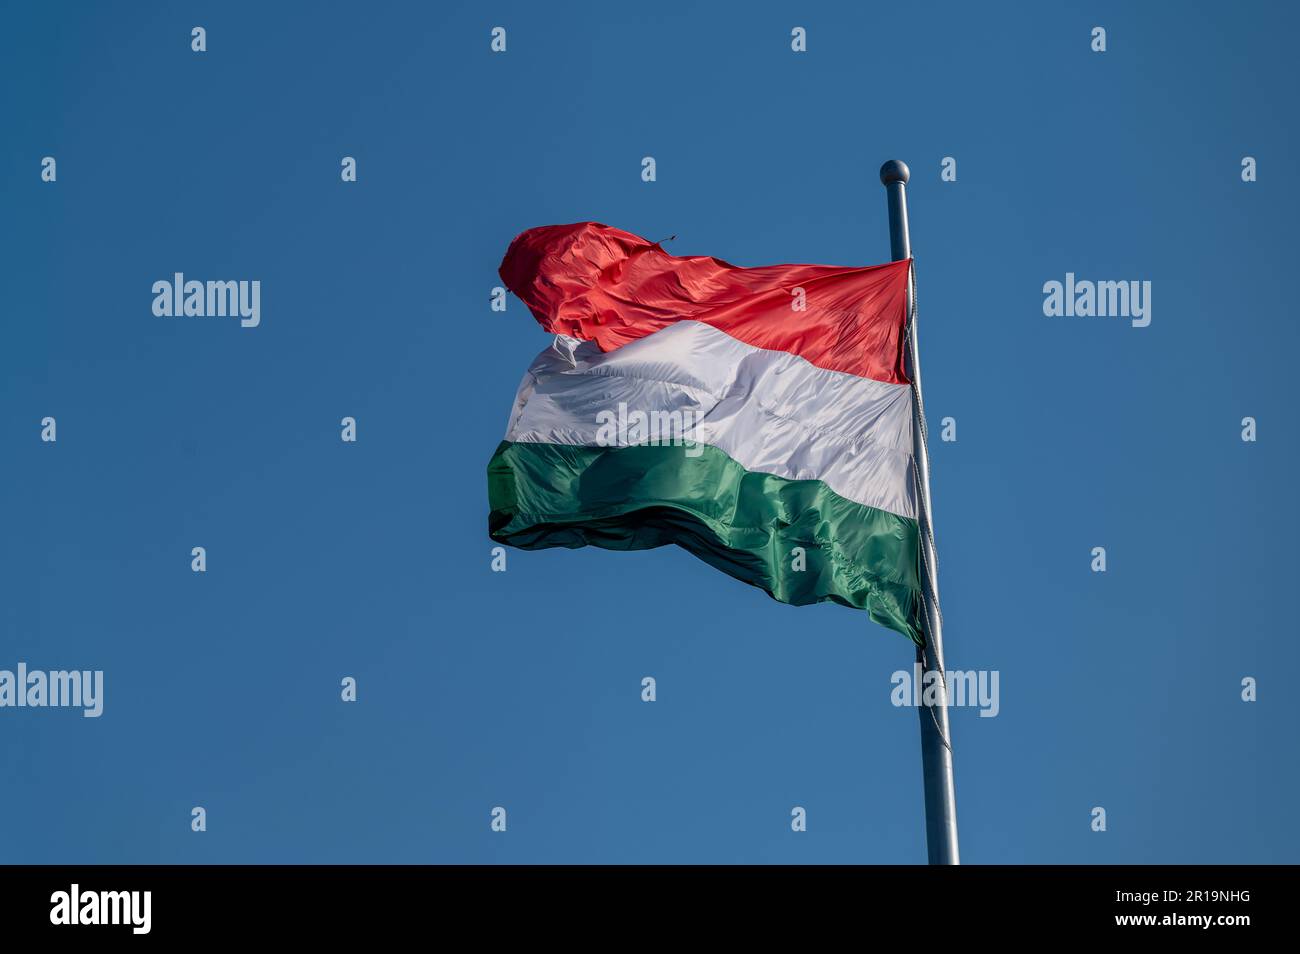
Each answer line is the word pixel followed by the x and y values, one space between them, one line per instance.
pixel 895 170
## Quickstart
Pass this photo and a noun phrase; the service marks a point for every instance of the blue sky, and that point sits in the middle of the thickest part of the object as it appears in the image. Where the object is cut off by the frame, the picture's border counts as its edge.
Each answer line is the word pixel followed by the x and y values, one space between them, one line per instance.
pixel 522 689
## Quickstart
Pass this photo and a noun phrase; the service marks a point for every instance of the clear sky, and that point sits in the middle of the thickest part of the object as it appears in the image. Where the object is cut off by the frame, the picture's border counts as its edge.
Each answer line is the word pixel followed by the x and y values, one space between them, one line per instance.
pixel 521 689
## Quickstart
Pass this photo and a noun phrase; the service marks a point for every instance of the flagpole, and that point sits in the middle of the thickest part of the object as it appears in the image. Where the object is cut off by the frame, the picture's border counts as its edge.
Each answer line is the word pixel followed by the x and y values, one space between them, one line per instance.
pixel 936 751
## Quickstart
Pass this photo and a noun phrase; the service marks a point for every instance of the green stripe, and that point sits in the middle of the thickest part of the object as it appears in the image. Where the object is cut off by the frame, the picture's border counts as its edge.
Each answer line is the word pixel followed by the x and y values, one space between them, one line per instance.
pixel 746 524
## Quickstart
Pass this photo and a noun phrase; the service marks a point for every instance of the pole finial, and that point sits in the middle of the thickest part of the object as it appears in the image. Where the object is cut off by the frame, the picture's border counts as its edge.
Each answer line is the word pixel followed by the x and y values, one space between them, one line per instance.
pixel 895 170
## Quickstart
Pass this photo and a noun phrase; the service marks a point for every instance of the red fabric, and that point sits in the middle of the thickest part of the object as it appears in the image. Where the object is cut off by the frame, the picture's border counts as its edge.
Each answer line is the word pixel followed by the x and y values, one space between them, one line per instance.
pixel 602 284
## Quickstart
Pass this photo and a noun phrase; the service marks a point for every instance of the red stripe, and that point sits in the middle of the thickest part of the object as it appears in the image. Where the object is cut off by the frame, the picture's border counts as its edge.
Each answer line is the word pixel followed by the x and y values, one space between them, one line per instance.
pixel 602 284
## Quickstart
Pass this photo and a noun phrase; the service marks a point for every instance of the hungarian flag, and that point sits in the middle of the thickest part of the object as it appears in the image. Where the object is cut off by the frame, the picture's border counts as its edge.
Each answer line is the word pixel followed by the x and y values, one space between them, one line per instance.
pixel 760 418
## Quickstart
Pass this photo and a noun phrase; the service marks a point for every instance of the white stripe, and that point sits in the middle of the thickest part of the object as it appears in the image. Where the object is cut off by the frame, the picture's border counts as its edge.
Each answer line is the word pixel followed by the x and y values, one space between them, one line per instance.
pixel 768 410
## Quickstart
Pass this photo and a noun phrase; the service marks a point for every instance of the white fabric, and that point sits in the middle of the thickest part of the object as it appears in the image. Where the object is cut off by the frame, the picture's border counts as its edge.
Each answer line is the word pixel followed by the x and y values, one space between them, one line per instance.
pixel 768 410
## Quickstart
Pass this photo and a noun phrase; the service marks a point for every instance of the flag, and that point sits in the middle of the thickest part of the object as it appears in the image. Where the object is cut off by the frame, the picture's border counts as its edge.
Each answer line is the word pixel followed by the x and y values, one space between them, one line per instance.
pixel 759 418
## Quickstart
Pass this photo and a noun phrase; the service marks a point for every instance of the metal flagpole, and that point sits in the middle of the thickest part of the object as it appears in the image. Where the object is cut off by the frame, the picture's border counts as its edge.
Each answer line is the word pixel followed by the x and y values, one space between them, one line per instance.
pixel 936 750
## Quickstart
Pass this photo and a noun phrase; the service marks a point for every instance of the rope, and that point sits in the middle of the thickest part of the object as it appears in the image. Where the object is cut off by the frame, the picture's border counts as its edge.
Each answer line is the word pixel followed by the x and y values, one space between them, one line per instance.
pixel 930 571
pixel 929 597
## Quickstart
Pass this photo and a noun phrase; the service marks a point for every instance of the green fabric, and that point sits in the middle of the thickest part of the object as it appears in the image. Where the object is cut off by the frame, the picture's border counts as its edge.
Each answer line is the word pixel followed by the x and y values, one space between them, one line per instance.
pixel 745 524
